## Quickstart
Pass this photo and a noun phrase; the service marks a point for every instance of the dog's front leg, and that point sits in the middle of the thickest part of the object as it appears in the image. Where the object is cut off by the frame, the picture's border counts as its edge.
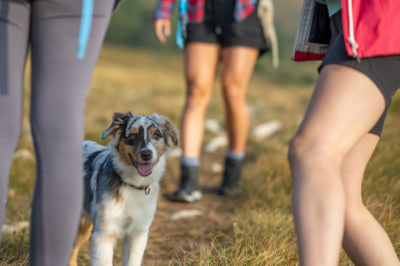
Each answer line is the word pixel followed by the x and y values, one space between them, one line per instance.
pixel 102 249
pixel 133 247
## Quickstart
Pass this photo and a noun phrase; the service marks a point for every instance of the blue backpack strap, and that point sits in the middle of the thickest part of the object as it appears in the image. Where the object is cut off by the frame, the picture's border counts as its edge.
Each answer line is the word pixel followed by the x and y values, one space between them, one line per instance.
pixel 181 29
pixel 86 24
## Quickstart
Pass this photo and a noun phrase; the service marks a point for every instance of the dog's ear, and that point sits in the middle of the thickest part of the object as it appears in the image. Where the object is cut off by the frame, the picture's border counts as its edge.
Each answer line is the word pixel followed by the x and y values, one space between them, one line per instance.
pixel 168 129
pixel 119 120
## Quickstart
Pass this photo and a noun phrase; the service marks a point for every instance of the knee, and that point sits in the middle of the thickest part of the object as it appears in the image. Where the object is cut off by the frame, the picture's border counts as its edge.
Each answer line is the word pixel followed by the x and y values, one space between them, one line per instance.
pixel 297 146
pixel 355 214
pixel 234 92
pixel 63 126
pixel 308 151
pixel 235 99
pixel 198 94
pixel 354 208
pixel 232 80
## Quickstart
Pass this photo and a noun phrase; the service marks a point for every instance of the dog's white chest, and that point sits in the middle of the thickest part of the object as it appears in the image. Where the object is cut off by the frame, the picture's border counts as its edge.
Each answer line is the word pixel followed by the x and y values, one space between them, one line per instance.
pixel 132 210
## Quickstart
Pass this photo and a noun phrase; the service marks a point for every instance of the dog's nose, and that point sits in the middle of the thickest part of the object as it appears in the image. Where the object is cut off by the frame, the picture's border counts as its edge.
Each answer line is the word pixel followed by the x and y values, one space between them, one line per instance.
pixel 146 155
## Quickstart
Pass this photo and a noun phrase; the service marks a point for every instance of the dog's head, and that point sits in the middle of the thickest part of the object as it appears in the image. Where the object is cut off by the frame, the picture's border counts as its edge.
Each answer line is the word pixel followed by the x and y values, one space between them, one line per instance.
pixel 141 142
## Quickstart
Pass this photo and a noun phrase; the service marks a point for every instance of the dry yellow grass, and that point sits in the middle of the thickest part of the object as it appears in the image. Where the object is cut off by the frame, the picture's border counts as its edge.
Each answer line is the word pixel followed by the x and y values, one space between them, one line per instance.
pixel 256 227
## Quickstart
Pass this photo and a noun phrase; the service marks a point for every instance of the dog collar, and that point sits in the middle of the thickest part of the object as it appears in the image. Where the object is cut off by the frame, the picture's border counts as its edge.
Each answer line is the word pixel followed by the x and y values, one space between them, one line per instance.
pixel 146 189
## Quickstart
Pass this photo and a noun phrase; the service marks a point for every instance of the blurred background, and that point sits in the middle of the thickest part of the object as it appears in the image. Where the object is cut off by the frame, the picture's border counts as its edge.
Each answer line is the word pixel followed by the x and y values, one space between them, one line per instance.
pixel 130 27
pixel 253 226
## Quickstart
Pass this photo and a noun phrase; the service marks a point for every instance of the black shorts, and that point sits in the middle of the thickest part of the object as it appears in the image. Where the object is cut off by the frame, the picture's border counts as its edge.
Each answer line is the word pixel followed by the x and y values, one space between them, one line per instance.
pixel 219 27
pixel 383 70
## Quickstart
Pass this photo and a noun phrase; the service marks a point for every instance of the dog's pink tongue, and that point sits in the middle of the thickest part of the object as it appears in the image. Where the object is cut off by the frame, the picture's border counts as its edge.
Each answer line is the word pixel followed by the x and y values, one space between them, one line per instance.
pixel 145 168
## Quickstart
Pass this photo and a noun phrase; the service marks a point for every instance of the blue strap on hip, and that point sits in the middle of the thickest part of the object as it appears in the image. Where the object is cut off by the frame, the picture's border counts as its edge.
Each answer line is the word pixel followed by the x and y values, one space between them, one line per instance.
pixel 86 24
pixel 181 29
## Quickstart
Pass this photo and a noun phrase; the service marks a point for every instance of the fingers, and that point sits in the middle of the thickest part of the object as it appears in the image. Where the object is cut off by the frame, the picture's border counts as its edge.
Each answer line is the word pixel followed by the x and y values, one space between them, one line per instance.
pixel 167 28
pixel 162 29
pixel 158 30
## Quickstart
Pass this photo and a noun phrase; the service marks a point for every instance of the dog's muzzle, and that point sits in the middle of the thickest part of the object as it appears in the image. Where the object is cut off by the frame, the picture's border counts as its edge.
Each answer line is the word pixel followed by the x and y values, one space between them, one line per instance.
pixel 144 169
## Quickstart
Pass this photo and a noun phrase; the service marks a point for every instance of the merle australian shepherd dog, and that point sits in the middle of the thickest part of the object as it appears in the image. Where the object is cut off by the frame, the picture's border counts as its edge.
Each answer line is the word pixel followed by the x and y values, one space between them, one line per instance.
pixel 121 186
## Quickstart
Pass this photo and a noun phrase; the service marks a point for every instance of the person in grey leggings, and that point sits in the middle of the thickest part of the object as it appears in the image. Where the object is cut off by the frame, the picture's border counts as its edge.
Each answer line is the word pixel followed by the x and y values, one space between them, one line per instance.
pixel 58 91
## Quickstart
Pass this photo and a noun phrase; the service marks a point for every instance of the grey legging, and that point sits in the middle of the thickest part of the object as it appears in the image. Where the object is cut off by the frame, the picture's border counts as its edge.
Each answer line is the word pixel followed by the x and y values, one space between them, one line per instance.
pixel 58 91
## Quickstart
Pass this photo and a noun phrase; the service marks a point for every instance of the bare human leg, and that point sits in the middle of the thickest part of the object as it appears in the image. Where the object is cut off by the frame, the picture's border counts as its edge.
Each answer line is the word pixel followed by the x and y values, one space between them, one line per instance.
pixel 201 61
pixel 200 65
pixel 344 107
pixel 237 67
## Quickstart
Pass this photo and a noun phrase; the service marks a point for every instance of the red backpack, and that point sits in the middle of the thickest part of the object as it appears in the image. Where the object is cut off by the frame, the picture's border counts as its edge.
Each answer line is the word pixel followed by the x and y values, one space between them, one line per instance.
pixel 370 27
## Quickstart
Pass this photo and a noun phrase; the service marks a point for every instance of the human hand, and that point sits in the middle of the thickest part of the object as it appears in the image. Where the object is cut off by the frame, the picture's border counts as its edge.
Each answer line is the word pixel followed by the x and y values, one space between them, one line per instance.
pixel 162 29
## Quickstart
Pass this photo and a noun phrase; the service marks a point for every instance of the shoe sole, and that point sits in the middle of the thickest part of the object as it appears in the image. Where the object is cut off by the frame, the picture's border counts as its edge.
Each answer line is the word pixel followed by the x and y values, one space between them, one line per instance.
pixel 184 197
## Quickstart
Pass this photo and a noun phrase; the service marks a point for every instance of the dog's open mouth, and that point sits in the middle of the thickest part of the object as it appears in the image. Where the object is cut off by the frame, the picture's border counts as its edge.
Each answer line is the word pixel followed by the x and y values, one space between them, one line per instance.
pixel 144 169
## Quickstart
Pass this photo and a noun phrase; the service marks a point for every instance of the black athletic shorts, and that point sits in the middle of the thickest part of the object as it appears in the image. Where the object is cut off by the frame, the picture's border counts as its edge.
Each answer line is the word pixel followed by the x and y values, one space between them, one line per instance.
pixel 219 27
pixel 383 70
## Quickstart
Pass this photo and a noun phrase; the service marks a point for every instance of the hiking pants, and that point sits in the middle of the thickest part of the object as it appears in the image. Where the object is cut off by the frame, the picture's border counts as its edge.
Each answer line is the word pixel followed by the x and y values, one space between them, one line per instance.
pixel 58 90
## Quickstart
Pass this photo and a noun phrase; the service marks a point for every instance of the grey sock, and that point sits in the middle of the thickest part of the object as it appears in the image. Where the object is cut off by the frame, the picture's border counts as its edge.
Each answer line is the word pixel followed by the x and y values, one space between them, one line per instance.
pixel 190 161
pixel 238 156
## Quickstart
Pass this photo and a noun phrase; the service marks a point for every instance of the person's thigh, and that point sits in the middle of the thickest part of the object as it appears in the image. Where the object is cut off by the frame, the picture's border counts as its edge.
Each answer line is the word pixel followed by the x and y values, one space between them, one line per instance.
pixel 201 61
pixel 60 80
pixel 59 87
pixel 237 67
pixel 345 105
pixel 14 32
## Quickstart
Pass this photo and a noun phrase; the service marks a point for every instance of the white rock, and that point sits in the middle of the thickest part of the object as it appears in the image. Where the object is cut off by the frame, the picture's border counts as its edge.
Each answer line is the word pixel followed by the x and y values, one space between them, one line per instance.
pixel 185 214
pixel 24 154
pixel 7 228
pixel 215 143
pixel 213 126
pixel 21 225
pixel 216 167
pixel 266 129
pixel 176 153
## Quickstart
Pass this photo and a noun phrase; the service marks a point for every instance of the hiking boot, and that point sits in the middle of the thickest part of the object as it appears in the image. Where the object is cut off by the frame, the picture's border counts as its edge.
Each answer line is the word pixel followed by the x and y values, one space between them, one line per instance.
pixel 188 190
pixel 232 174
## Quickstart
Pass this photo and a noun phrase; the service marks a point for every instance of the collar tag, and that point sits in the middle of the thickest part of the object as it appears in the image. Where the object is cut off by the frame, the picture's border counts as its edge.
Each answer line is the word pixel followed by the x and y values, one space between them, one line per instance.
pixel 146 189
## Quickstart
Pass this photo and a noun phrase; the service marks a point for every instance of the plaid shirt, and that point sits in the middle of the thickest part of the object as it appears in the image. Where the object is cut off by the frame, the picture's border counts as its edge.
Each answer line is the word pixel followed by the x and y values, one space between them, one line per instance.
pixel 195 12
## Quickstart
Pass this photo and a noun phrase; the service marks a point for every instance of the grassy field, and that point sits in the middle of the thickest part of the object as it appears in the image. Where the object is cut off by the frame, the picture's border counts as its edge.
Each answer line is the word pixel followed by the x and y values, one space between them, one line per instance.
pixel 253 226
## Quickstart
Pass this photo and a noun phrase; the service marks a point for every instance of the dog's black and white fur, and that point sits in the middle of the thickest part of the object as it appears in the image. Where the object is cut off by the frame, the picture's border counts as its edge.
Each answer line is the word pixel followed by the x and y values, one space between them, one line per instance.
pixel 121 186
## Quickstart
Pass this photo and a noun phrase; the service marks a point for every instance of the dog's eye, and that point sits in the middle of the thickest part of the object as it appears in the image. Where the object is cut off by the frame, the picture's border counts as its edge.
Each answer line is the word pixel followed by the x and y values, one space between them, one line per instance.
pixel 133 136
pixel 156 136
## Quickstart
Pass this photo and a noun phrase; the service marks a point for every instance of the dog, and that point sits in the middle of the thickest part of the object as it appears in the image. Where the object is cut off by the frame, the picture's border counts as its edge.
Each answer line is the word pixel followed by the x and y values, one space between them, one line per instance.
pixel 121 186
